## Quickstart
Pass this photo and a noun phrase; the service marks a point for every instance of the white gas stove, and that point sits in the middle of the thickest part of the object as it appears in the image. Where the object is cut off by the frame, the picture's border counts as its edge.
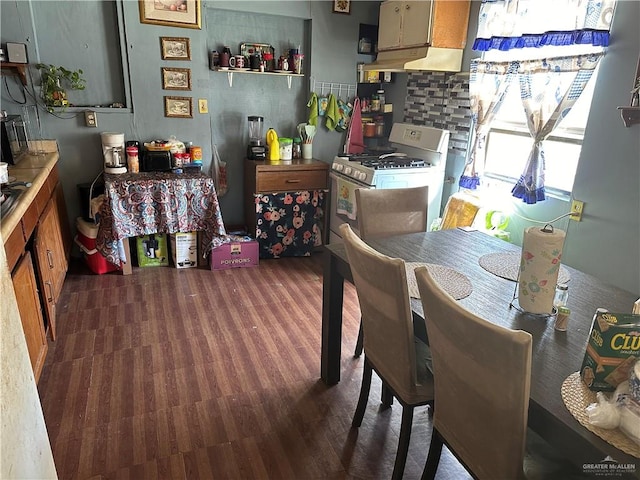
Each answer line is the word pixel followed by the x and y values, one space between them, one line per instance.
pixel 418 151
pixel 419 158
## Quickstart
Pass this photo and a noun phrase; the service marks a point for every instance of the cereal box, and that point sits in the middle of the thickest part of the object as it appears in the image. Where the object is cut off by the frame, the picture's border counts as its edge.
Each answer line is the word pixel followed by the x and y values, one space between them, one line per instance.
pixel 612 349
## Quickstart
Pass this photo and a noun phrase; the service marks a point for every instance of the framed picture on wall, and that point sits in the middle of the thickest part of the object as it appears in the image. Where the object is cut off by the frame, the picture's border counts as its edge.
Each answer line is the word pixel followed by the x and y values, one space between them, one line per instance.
pixel 342 6
pixel 178 107
pixel 171 13
pixel 176 78
pixel 175 48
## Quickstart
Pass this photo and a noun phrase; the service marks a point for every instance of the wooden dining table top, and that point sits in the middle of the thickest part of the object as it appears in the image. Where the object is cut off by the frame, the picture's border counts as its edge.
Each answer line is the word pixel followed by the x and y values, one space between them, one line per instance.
pixel 556 355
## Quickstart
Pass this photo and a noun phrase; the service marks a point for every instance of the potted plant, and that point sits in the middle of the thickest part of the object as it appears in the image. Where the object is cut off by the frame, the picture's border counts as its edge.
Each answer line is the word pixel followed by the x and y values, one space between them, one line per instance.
pixel 55 81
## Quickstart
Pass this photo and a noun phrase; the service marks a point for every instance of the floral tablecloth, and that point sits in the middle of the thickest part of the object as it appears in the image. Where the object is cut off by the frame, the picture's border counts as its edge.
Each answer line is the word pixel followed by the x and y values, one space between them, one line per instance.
pixel 158 202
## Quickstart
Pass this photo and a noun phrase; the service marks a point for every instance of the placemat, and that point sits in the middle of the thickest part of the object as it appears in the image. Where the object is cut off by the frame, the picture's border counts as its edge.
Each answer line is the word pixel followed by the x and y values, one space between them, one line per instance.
pixel 577 397
pixel 507 265
pixel 453 282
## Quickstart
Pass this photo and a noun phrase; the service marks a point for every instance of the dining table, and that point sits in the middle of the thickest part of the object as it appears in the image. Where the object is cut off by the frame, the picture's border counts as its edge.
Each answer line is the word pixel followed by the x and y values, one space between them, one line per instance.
pixel 555 354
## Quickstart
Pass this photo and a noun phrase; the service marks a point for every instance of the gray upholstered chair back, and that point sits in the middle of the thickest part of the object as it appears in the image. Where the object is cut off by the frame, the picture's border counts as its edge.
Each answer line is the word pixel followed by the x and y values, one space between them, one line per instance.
pixel 393 211
pixel 383 295
pixel 482 378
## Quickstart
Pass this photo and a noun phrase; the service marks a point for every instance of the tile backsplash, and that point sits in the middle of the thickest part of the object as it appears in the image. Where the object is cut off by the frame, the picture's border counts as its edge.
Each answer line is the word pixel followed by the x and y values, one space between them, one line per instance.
pixel 440 100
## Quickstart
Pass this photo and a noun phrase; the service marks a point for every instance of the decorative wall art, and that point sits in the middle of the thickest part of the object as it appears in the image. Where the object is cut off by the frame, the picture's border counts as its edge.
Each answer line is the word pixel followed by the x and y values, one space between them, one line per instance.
pixel 342 6
pixel 171 13
pixel 176 78
pixel 175 48
pixel 178 107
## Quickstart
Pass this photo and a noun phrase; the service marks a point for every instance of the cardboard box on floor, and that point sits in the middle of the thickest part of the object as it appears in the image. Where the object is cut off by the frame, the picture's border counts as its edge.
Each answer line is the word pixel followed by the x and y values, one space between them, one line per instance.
pixel 184 249
pixel 235 255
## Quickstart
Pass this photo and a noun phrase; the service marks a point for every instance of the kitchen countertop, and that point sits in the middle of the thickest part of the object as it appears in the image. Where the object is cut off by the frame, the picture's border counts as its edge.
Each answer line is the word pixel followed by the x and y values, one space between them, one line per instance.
pixel 30 168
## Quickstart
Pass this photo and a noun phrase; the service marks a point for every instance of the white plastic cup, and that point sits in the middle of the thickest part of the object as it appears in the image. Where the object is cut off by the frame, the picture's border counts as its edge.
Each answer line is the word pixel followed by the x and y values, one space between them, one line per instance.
pixel 307 151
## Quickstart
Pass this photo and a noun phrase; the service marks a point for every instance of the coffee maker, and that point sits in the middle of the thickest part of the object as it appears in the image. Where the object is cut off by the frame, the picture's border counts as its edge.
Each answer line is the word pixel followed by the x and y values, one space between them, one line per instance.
pixel 113 152
pixel 257 149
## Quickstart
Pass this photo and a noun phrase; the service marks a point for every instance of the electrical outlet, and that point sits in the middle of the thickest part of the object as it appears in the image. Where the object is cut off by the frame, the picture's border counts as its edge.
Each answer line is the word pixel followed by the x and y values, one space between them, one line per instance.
pixel 577 207
pixel 202 105
pixel 91 118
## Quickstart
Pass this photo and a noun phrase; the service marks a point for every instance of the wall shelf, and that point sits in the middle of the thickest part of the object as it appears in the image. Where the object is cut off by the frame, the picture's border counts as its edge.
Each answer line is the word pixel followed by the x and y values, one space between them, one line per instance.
pixel 19 69
pixel 630 115
pixel 230 73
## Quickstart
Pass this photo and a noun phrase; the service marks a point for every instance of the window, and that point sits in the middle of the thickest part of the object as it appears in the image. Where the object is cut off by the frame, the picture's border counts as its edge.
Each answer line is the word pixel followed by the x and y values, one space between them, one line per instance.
pixel 508 142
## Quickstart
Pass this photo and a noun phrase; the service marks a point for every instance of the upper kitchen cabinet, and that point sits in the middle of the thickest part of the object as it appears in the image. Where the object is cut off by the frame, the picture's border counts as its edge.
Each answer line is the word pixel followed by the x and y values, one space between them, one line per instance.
pixel 438 23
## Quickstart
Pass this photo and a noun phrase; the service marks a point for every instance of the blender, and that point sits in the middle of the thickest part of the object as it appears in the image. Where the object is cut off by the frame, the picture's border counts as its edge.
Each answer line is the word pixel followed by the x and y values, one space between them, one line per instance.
pixel 256 150
pixel 113 152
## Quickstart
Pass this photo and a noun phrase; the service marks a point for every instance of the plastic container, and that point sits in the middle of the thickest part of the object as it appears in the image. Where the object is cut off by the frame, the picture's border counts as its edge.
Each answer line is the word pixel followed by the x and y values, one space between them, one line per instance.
pixel 369 129
pixel 86 240
pixel 133 163
pixel 286 148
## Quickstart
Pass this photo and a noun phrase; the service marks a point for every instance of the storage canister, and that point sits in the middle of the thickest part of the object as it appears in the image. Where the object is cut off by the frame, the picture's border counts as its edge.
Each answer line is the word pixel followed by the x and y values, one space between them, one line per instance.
pixel 379 126
pixel 296 152
pixel 286 148
pixel 369 129
pixel 196 154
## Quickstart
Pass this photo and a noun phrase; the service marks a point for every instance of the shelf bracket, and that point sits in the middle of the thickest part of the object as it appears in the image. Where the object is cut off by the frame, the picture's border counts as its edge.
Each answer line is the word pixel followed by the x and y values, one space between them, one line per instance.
pixel 230 79
pixel 289 81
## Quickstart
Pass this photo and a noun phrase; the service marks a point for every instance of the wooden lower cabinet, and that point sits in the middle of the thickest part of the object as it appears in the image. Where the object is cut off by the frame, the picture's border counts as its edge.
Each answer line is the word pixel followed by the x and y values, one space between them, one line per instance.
pixel 52 263
pixel 26 290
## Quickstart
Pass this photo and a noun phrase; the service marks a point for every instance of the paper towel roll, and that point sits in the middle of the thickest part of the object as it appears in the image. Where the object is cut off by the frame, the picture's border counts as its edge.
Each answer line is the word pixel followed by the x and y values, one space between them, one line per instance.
pixel 539 267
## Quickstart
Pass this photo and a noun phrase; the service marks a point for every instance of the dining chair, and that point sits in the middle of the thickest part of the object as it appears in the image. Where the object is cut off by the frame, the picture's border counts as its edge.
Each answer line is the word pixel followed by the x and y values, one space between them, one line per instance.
pixel 482 378
pixel 390 346
pixel 387 212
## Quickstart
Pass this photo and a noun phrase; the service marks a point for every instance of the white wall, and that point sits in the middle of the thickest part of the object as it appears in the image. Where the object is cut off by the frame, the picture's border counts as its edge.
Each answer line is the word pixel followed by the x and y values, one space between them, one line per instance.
pixel 24 445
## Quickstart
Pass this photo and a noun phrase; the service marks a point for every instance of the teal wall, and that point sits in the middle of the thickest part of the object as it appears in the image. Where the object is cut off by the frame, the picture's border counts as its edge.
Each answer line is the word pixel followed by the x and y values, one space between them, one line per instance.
pixel 82 34
pixel 606 243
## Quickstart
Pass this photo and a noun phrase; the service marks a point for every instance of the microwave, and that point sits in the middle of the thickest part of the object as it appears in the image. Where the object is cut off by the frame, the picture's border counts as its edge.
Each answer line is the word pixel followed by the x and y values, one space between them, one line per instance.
pixel 14 139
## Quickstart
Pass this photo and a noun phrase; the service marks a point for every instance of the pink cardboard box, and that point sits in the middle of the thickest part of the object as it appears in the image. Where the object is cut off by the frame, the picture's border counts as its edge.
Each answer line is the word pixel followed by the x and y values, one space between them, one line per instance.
pixel 235 255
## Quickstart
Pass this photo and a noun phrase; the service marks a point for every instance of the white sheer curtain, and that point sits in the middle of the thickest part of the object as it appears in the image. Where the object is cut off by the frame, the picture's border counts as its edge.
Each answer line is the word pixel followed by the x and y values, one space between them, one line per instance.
pixel 488 84
pixel 548 89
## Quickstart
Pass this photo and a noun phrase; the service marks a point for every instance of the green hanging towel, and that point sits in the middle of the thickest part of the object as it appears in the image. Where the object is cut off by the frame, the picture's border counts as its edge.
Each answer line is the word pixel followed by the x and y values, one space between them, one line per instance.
pixel 313 109
pixel 333 113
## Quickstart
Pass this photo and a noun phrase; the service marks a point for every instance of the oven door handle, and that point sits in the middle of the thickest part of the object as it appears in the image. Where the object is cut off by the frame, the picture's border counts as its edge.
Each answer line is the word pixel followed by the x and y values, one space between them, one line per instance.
pixel 350 180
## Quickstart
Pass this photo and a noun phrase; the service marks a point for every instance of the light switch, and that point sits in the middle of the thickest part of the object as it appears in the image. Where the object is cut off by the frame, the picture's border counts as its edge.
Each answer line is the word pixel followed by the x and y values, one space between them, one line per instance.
pixel 203 107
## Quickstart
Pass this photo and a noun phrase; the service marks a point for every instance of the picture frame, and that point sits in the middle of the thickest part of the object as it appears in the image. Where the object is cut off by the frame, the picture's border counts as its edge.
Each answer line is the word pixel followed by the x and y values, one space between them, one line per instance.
pixel 176 78
pixel 342 6
pixel 175 48
pixel 178 107
pixel 171 13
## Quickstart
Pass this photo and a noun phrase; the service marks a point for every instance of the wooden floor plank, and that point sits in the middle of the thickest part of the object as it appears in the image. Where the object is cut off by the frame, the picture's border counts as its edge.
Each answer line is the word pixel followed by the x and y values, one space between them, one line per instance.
pixel 199 374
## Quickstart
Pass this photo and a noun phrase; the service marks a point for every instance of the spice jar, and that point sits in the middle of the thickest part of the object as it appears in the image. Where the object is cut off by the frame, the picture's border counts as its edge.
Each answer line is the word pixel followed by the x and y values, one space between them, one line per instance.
pixel 296 151
pixel 381 99
pixel 562 319
pixel 561 296
pixel 375 103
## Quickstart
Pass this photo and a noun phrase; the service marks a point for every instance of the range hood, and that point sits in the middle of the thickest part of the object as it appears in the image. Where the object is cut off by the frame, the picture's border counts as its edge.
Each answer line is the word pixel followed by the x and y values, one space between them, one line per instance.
pixel 418 58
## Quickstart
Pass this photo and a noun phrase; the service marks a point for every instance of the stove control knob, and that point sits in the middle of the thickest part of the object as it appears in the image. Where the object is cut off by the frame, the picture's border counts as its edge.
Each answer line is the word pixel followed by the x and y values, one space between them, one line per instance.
pixel 362 175
pixel 338 166
pixel 347 170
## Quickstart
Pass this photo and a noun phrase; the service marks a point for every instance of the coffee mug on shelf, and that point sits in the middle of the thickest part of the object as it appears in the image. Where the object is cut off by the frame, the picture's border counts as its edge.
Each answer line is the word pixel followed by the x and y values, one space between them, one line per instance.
pixel 225 58
pixel 254 61
pixel 239 59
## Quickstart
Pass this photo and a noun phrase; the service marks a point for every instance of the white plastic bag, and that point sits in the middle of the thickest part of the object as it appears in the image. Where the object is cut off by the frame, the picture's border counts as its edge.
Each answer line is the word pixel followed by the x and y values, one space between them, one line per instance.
pixel 219 173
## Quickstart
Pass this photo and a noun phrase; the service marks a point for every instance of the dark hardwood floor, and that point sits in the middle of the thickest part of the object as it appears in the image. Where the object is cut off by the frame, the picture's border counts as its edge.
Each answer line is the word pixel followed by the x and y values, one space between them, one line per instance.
pixel 197 374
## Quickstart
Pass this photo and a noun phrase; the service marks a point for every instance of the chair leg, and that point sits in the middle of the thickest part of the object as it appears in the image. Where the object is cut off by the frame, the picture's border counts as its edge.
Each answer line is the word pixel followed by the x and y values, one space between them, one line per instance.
pixel 403 443
pixel 364 394
pixel 359 342
pixel 433 457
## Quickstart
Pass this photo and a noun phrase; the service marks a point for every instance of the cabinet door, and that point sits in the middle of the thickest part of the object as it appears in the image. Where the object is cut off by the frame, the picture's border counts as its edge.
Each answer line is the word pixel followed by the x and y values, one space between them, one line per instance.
pixel 50 259
pixel 26 290
pixel 416 23
pixel 63 222
pixel 390 25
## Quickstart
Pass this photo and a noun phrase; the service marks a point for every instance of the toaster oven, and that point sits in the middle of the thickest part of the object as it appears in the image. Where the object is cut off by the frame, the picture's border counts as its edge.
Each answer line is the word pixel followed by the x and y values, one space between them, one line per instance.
pixel 156 161
pixel 14 139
